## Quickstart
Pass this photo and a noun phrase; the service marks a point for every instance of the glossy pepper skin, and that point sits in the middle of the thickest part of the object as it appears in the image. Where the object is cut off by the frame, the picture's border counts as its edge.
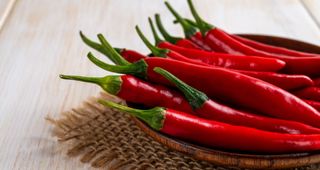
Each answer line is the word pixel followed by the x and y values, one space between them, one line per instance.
pixel 310 93
pixel 272 49
pixel 228 61
pixel 314 104
pixel 223 84
pixel 221 41
pixel 209 109
pixel 187 44
pixel 220 135
pixel 134 90
pixel 284 81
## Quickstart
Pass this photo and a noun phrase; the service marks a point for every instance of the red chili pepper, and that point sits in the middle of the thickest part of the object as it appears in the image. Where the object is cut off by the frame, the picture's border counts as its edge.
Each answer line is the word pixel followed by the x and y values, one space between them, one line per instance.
pixel 134 90
pixel 225 85
pixel 220 135
pixel 187 44
pixel 314 104
pixel 130 55
pixel 311 93
pixel 228 61
pixel 294 65
pixel 209 109
pixel 284 81
pixel 272 49
pixel 220 41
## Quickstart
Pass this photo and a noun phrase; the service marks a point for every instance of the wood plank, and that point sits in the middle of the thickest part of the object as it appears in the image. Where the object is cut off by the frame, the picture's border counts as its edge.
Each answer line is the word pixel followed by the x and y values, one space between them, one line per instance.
pixel 6 7
pixel 312 6
pixel 40 41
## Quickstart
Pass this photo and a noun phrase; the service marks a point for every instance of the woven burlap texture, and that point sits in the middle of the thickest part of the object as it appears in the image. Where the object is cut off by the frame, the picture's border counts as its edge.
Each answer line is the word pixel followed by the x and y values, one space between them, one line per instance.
pixel 107 138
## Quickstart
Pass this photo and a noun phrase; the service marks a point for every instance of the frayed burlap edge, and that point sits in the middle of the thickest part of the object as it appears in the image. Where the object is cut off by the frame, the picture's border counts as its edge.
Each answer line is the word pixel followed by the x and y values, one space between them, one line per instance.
pixel 105 137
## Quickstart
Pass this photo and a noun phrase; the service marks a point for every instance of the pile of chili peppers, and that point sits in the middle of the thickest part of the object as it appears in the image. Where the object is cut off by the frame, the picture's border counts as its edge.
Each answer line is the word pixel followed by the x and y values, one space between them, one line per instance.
pixel 216 89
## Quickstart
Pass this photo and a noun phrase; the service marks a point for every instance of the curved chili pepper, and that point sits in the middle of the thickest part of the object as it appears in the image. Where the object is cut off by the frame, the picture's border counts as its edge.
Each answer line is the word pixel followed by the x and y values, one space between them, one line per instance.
pixel 221 41
pixel 175 40
pixel 312 103
pixel 209 58
pixel 284 81
pixel 272 49
pixel 225 85
pixel 187 44
pixel 220 135
pixel 190 31
pixel 294 65
pixel 239 62
pixel 209 109
pixel 134 90
pixel 311 93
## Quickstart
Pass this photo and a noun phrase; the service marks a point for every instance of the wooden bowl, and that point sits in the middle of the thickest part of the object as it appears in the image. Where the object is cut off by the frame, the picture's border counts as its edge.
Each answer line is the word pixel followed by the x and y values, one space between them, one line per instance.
pixel 243 160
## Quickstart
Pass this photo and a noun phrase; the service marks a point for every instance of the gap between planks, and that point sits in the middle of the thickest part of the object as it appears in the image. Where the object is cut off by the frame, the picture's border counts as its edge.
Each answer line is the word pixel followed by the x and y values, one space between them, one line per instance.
pixel 7 11
pixel 310 13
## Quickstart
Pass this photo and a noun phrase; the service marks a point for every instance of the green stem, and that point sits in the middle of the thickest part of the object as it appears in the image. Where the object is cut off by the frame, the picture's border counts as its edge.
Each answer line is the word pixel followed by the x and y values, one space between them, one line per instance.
pixel 154 32
pixel 113 54
pixel 138 69
pixel 153 117
pixel 118 50
pixel 111 84
pixel 195 97
pixel 202 25
pixel 164 32
pixel 93 44
pixel 188 29
pixel 155 50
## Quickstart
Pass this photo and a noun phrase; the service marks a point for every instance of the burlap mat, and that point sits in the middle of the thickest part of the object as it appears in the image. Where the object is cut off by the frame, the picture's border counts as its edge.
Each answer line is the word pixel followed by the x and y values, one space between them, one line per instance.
pixel 108 138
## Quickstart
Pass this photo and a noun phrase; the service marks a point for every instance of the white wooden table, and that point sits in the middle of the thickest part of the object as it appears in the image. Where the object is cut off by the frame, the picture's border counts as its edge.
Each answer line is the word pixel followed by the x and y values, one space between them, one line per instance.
pixel 39 40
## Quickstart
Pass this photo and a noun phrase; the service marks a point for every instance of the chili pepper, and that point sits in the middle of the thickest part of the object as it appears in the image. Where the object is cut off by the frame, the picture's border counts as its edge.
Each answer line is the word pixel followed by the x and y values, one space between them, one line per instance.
pixel 227 60
pixel 130 55
pixel 312 103
pixel 311 93
pixel 134 90
pixel 187 44
pixel 209 58
pixel 224 85
pixel 175 40
pixel 284 81
pixel 209 109
pixel 200 57
pixel 220 41
pixel 272 49
pixel 258 45
pixel 190 31
pixel 220 135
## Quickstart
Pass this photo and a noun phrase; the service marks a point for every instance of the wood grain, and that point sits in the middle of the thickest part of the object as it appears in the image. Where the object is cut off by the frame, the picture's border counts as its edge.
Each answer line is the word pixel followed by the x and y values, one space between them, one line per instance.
pixel 40 40
pixel 6 7
pixel 313 6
